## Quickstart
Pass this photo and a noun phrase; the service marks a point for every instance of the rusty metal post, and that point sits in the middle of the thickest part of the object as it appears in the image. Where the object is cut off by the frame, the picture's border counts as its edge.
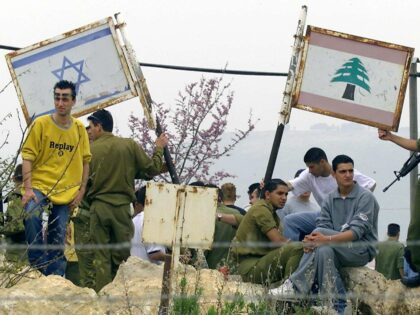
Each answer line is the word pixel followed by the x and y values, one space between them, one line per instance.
pixel 144 95
pixel 287 95
pixel 172 261
pixel 166 286
pixel 413 128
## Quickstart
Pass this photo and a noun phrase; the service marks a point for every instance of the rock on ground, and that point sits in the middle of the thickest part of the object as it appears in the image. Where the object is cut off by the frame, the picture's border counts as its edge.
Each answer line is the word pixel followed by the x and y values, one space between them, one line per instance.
pixel 136 290
pixel 373 294
pixel 11 276
pixel 46 295
pixel 137 287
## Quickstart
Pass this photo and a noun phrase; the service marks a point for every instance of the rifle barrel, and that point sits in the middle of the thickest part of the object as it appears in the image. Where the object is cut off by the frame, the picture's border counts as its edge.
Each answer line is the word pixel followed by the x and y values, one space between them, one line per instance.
pixel 386 188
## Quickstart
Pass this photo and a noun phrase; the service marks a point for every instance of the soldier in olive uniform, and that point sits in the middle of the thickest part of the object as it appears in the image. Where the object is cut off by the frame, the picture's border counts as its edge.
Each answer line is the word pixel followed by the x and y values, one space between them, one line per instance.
pixel 82 237
pixel 260 263
pixel 223 233
pixel 413 233
pixel 116 163
pixel 12 224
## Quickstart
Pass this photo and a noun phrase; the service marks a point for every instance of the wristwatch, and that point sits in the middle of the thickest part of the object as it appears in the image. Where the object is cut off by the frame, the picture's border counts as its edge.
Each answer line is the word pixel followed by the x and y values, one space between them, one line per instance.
pixel 219 216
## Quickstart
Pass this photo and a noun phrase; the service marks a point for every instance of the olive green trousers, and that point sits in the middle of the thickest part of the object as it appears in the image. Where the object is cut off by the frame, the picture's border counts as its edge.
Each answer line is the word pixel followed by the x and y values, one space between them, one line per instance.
pixel 277 265
pixel 110 225
pixel 85 256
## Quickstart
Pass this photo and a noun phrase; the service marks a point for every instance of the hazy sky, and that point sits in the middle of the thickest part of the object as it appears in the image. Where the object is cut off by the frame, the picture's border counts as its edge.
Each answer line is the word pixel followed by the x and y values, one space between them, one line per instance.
pixel 242 34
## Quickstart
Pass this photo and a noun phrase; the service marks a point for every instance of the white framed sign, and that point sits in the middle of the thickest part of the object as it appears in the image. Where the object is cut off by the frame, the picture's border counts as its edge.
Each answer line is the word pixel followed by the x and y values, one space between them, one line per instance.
pixel 90 56
pixel 179 215
pixel 353 78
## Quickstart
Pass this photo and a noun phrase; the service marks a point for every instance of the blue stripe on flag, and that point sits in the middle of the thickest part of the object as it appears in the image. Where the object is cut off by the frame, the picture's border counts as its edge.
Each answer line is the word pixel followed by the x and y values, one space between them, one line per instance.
pixel 66 46
pixel 93 100
pixel 44 113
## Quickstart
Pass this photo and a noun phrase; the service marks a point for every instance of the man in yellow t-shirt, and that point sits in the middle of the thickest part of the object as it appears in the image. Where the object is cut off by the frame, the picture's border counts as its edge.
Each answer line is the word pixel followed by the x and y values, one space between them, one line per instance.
pixel 56 158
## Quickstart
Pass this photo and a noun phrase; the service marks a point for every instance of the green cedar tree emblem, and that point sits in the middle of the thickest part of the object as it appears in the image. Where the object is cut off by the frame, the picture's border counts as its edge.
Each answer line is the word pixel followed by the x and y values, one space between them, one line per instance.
pixel 353 72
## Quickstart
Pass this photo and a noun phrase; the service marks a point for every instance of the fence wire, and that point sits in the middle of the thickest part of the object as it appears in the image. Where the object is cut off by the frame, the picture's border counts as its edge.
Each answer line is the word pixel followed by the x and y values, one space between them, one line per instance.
pixel 198 245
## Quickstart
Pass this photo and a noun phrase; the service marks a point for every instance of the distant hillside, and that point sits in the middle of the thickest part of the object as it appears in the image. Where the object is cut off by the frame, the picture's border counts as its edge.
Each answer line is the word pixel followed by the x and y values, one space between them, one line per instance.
pixel 372 157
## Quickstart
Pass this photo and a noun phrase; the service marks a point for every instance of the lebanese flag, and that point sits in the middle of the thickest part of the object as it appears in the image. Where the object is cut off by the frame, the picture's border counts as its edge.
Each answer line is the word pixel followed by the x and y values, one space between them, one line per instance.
pixel 344 77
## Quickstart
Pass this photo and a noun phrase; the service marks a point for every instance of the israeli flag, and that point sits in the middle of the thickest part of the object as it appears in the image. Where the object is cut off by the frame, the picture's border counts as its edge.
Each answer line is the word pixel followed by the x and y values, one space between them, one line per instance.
pixel 89 56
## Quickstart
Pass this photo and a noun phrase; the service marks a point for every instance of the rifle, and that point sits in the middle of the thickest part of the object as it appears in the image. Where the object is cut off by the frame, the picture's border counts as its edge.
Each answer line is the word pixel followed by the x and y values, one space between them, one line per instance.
pixel 411 163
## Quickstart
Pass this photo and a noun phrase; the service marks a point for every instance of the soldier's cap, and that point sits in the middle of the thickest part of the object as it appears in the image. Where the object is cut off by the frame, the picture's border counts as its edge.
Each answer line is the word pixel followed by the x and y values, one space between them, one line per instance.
pixel 102 117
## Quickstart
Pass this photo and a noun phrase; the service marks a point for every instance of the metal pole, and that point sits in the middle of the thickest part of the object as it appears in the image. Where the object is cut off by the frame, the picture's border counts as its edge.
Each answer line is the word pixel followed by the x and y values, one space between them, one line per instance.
pixel 413 128
pixel 145 98
pixel 287 95
pixel 167 156
pixel 166 286
pixel 137 74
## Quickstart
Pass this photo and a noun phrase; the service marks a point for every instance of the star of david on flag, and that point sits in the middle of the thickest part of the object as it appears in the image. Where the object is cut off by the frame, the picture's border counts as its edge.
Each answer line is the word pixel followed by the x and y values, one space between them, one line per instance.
pixel 70 69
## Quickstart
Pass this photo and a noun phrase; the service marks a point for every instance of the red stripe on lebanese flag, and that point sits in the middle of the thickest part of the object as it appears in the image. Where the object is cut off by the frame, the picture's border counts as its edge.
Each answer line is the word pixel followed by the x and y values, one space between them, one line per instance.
pixel 344 108
pixel 358 48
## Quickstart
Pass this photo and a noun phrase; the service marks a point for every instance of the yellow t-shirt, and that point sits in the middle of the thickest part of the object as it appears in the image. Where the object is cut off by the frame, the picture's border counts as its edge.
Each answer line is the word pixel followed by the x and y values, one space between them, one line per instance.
pixel 57 156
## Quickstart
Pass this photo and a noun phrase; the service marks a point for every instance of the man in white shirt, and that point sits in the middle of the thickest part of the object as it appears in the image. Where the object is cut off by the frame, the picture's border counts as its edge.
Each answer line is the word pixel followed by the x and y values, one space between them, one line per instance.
pixel 150 252
pixel 300 203
pixel 318 180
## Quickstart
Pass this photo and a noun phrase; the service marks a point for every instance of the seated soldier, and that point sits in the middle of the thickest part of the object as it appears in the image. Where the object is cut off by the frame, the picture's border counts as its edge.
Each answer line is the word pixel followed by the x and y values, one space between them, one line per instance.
pixel 223 234
pixel 13 227
pixel 258 262
pixel 229 197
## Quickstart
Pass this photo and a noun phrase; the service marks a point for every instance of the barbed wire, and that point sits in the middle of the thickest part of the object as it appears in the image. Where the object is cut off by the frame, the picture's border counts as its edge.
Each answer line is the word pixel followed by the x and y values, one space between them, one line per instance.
pixel 202 245
pixel 194 245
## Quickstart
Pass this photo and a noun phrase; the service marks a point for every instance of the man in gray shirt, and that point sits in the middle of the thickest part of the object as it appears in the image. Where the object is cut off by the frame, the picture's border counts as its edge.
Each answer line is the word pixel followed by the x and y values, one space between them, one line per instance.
pixel 319 180
pixel 349 215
